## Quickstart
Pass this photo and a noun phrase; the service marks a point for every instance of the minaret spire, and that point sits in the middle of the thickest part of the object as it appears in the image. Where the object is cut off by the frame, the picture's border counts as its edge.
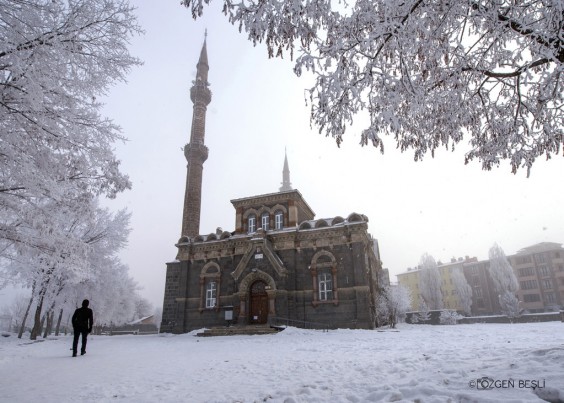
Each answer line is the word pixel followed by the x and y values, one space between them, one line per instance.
pixel 196 152
pixel 286 185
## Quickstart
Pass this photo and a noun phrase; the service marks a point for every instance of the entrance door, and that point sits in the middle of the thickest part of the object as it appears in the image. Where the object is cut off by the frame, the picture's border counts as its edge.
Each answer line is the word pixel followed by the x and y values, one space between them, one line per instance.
pixel 259 303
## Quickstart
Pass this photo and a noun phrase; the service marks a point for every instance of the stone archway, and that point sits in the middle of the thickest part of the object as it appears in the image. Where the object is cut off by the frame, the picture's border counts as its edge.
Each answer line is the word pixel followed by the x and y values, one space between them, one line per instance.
pixel 257 308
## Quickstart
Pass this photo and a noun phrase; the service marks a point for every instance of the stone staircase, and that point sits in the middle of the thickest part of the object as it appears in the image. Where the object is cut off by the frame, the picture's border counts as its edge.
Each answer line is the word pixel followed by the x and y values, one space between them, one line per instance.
pixel 239 330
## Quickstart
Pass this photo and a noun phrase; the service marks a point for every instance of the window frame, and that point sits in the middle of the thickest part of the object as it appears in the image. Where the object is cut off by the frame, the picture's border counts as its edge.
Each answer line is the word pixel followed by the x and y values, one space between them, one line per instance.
pixel 325 286
pixel 211 294
pixel 265 221
pixel 251 228
pixel 278 219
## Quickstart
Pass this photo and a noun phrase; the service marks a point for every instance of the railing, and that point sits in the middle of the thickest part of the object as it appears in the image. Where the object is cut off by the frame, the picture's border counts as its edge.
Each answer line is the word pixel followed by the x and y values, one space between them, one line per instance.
pixel 303 324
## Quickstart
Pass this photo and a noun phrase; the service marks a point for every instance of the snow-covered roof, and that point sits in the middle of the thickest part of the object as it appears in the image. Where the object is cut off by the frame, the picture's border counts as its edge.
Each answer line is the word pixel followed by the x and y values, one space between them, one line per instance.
pixel 540 247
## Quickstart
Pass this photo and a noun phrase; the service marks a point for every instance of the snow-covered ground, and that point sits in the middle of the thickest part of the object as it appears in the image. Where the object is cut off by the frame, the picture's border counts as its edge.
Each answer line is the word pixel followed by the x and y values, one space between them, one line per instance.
pixel 417 363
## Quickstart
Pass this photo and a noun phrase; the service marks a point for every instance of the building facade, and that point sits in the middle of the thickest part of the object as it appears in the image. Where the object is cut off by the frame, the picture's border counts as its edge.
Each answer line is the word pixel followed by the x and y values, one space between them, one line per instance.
pixel 539 270
pixel 279 262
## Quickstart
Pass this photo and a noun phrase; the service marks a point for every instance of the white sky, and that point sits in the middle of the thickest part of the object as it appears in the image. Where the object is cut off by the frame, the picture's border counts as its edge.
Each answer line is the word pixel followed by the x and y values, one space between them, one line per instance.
pixel 438 206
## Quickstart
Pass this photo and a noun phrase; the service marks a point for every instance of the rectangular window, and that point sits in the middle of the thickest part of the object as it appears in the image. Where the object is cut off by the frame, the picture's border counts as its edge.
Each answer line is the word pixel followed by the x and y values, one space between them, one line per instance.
pixel 547 284
pixel 524 259
pixel 526 271
pixel 531 297
pixel 529 284
pixel 550 297
pixel 211 294
pixel 325 287
pixel 543 271
pixel 478 291
pixel 540 258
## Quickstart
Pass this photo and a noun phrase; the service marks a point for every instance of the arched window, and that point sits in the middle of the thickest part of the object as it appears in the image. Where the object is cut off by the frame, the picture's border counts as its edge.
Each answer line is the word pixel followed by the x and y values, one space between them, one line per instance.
pixel 278 219
pixel 324 278
pixel 252 223
pixel 211 294
pixel 265 221
pixel 210 286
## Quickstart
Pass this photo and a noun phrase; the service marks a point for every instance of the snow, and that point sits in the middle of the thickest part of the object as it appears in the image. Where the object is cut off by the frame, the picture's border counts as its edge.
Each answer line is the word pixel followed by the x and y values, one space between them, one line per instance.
pixel 416 363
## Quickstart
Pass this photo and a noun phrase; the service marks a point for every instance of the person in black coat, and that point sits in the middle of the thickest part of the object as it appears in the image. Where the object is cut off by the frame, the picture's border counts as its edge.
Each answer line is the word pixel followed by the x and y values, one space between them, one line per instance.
pixel 82 321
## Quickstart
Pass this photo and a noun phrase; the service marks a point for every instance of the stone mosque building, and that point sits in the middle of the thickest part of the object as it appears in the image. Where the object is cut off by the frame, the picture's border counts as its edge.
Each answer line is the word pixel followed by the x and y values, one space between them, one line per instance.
pixel 280 263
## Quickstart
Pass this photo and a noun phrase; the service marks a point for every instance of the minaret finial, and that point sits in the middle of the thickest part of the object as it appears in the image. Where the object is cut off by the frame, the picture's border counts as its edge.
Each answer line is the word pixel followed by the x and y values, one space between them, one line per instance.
pixel 286 185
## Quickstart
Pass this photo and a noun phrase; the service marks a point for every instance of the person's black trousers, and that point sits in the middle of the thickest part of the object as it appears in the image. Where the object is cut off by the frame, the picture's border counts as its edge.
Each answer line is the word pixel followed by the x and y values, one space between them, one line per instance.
pixel 77 334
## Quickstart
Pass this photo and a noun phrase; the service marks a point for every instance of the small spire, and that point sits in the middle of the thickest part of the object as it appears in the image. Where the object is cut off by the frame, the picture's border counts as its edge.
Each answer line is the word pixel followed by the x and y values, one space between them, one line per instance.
pixel 286 184
pixel 202 66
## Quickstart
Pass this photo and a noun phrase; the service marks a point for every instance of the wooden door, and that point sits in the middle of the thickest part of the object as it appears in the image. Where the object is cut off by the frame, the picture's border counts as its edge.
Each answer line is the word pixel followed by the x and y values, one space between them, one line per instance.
pixel 259 303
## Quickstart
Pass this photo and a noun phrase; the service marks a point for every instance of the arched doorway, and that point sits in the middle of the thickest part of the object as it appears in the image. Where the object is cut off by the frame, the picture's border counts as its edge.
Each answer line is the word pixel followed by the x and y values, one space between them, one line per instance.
pixel 258 312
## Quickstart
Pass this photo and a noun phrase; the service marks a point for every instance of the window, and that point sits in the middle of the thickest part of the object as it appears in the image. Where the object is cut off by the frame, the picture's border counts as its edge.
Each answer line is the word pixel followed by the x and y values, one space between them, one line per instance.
pixel 481 303
pixel 478 291
pixel 324 278
pixel 325 286
pixel 547 284
pixel 252 223
pixel 550 297
pixel 211 294
pixel 265 221
pixel 278 220
pixel 557 255
pixel 524 259
pixel 526 271
pixel 531 297
pixel 529 284
pixel 540 258
pixel 543 271
pixel 476 280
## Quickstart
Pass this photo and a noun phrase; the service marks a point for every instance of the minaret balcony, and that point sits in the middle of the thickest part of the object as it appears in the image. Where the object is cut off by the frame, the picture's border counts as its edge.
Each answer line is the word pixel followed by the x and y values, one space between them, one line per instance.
pixel 200 93
pixel 196 150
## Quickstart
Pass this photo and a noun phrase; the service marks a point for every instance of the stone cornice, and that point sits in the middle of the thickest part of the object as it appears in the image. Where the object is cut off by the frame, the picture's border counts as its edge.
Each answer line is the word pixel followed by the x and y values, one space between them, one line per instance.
pixel 257 201
pixel 277 240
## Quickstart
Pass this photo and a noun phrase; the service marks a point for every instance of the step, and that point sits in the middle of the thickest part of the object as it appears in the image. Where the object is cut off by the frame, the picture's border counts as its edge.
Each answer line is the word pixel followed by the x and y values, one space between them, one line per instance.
pixel 238 330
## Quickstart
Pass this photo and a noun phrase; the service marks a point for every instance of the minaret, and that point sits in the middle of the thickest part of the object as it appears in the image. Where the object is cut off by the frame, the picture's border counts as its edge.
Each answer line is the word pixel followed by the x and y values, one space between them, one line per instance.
pixel 196 152
pixel 286 185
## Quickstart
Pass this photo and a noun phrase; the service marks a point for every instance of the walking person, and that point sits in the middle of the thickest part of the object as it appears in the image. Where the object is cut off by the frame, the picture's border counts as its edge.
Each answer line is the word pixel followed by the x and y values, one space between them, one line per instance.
pixel 82 321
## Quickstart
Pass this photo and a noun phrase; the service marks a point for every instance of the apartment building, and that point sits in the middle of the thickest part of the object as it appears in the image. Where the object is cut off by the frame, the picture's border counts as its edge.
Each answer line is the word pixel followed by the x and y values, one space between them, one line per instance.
pixel 540 271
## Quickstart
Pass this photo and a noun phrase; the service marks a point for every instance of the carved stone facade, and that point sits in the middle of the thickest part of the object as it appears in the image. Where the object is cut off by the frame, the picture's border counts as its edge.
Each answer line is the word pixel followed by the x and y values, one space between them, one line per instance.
pixel 324 271
pixel 278 262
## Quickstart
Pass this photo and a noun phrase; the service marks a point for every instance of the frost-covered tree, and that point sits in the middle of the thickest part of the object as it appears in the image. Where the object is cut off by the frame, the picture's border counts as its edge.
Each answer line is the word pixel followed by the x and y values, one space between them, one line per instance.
pixel 449 317
pixel 56 59
pixel 85 244
pixel 505 281
pixel 427 73
pixel 430 282
pixel 392 304
pixel 463 291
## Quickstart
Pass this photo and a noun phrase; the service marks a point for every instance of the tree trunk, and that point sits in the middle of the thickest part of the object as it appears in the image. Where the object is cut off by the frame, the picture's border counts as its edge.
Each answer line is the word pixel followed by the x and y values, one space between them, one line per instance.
pixel 22 328
pixel 37 320
pixel 59 322
pixel 49 324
